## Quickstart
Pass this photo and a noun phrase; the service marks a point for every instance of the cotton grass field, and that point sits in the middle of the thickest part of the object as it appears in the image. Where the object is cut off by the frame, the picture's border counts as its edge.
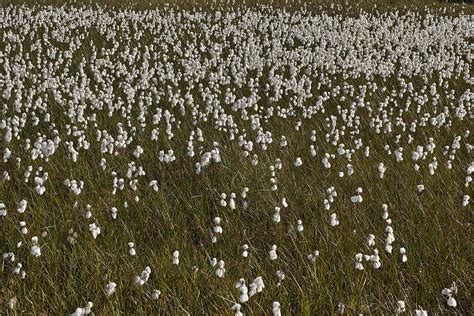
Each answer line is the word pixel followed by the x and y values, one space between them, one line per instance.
pixel 236 159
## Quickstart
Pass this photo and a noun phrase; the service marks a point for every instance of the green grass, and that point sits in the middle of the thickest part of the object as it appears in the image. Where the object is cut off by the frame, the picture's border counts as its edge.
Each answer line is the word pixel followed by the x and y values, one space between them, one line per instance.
pixel 433 226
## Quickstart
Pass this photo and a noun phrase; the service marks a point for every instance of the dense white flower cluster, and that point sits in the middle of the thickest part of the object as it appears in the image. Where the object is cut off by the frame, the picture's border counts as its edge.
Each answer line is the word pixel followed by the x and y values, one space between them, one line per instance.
pixel 157 90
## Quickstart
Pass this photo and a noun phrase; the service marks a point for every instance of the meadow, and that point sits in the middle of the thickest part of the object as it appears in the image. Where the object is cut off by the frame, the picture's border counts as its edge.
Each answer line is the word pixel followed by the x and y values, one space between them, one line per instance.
pixel 236 159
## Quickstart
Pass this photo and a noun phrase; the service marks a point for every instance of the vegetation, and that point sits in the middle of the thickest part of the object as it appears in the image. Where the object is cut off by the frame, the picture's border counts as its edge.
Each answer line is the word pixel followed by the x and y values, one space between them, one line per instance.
pixel 181 140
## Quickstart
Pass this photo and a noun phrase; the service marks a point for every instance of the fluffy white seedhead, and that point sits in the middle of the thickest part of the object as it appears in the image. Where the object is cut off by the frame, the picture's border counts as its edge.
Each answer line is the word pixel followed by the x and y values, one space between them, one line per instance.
pixel 176 257
pixel 401 308
pixel 273 253
pixel 156 294
pixel 299 226
pixel 276 309
pixel 421 312
pixel 245 252
pixel 3 210
pixel 110 288
pixel 143 277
